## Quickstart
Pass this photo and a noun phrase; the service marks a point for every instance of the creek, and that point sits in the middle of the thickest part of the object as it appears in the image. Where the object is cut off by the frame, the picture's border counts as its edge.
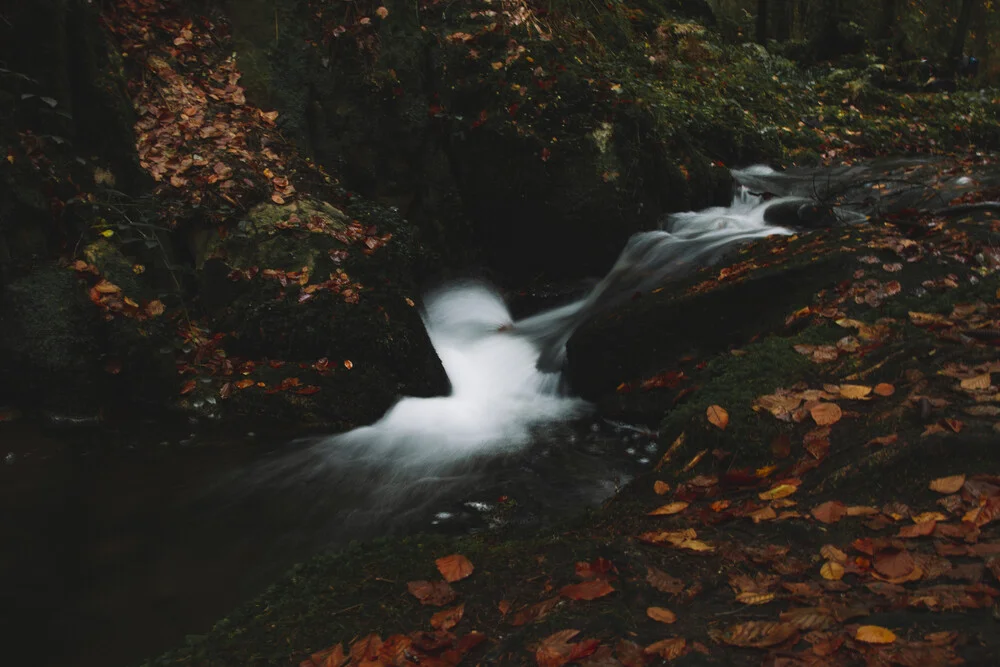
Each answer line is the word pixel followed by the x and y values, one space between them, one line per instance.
pixel 122 539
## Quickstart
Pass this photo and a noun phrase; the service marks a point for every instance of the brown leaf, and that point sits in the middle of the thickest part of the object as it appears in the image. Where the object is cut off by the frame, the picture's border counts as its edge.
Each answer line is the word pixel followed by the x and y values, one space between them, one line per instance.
pixel 535 612
pixel 829 512
pixel 884 389
pixel 808 619
pixel 947 485
pixel 446 619
pixel 668 649
pixel 894 563
pixel 454 567
pixel 663 582
pixel 661 488
pixel 751 598
pixel 587 590
pixel 781 446
pixel 661 614
pixel 825 414
pixel 366 648
pixel 779 491
pixel 436 593
pixel 976 383
pixel 855 392
pixel 758 634
pixel 717 416
pixel 670 508
pixel 554 650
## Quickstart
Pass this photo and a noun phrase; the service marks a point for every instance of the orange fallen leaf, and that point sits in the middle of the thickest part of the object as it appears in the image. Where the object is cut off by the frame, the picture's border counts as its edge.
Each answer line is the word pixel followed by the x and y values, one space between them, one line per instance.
pixel 454 567
pixel 554 650
pixel 660 488
pixel 661 614
pixel 535 612
pixel 875 634
pixel 587 590
pixel 670 508
pixel 188 387
pixel 331 657
pixel 717 416
pixel 825 414
pixel 446 619
pixel 947 485
pixel 884 389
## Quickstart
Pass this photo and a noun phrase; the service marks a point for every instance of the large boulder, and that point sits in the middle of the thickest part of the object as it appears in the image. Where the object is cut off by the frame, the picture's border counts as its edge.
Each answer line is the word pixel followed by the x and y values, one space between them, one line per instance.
pixel 523 145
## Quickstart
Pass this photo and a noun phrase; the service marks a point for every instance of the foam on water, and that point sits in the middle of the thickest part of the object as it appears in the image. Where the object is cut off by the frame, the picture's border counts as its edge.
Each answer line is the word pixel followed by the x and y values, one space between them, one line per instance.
pixel 505 375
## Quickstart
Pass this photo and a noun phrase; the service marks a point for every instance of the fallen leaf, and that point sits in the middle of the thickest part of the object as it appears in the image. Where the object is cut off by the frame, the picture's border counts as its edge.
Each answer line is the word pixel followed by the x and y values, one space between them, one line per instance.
pixel 587 590
pixel 535 612
pixel 188 387
pixel 751 598
pixel 948 485
pixel 874 634
pixel 717 416
pixel 829 512
pixel 446 619
pixel 454 567
pixel 670 508
pixel 382 12
pixel 661 614
pixel 436 593
pixel 832 571
pixel 661 488
pixel 779 491
pixel 758 634
pixel 884 389
pixel 554 650
pixel 977 383
pixel 855 391
pixel 663 582
pixel 825 414
pixel 668 649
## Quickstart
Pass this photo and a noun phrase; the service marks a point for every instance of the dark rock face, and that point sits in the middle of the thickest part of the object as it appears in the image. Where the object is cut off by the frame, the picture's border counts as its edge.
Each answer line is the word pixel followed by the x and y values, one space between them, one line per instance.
pixel 548 184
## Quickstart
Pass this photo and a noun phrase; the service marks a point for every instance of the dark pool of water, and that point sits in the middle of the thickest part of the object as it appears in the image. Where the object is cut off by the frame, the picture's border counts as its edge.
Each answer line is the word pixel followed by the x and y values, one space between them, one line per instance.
pixel 119 542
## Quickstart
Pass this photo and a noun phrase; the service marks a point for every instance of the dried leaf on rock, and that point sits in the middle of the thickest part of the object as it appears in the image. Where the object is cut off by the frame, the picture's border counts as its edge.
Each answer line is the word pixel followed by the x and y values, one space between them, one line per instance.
pixel 661 614
pixel 535 612
pixel 670 508
pixel 758 634
pixel 829 512
pixel 587 590
pixel 717 416
pixel 946 485
pixel 874 634
pixel 434 593
pixel 447 618
pixel 668 649
pixel 454 567
pixel 663 582
pixel 825 414
pixel 832 571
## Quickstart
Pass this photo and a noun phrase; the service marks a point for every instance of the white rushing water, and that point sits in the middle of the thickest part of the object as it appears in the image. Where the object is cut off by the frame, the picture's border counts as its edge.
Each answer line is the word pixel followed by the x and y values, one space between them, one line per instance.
pixel 504 374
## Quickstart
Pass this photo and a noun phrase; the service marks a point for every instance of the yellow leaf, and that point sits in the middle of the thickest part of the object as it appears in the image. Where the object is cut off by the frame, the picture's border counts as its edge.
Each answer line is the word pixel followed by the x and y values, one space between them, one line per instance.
pixel 855 391
pixel 947 485
pixel 875 634
pixel 661 614
pixel 976 383
pixel 670 508
pixel 832 570
pixel 779 491
pixel 717 416
pixel 107 233
pixel 754 598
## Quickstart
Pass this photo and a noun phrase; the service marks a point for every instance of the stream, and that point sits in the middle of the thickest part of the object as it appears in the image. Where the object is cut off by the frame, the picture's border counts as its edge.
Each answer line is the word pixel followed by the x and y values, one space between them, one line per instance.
pixel 121 539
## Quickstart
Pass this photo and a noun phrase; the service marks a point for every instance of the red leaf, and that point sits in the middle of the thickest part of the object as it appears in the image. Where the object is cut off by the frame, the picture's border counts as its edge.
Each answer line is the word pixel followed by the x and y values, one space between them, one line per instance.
pixel 454 567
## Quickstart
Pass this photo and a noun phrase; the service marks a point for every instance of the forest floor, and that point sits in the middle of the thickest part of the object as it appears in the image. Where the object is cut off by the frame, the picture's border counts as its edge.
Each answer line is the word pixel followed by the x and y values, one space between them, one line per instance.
pixel 829 499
